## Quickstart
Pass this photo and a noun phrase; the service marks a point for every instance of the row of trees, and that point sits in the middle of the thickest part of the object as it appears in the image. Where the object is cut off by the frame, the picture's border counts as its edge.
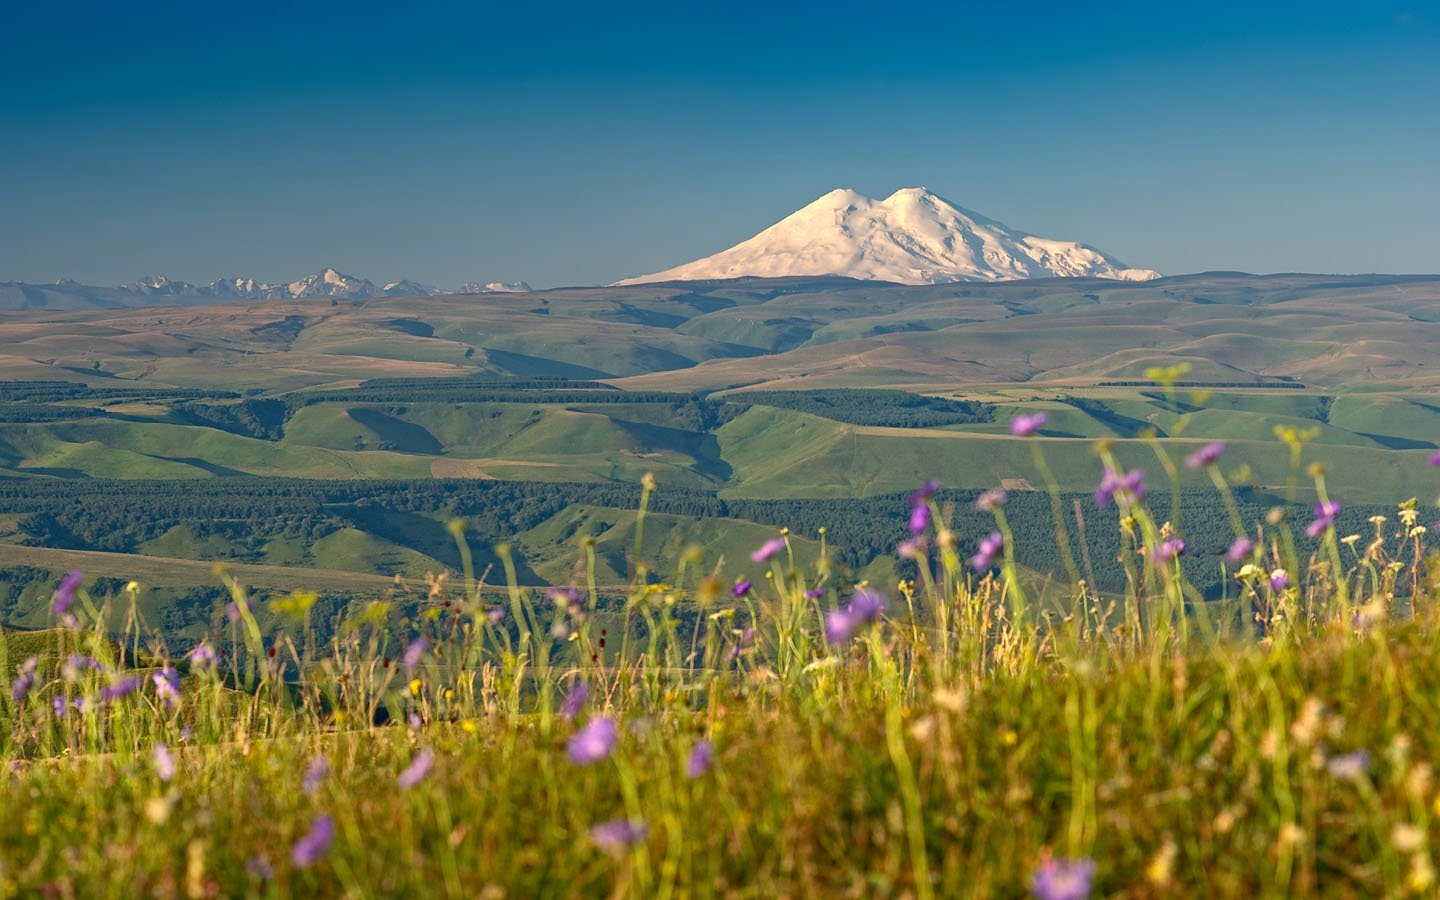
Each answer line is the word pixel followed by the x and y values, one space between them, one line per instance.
pixel 120 516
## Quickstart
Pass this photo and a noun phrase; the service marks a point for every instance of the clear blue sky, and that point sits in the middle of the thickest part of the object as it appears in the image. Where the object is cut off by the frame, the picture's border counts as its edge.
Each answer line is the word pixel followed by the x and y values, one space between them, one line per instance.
pixel 579 143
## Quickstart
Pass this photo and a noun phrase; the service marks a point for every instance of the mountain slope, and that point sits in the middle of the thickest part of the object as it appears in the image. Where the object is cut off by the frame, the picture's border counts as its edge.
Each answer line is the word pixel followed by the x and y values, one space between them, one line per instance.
pixel 910 237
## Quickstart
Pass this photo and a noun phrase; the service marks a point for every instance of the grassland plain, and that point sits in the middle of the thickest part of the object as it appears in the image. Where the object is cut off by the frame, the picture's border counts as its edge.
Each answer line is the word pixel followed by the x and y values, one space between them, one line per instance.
pixel 739 451
pixel 768 726
pixel 967 733
pixel 1324 330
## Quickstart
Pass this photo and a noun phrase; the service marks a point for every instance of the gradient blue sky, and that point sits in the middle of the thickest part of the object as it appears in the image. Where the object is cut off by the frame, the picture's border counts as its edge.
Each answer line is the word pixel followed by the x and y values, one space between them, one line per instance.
pixel 572 144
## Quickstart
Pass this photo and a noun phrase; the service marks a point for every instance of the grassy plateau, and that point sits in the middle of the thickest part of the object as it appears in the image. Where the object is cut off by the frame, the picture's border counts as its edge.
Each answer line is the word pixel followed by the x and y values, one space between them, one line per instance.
pixel 756 730
pixel 381 598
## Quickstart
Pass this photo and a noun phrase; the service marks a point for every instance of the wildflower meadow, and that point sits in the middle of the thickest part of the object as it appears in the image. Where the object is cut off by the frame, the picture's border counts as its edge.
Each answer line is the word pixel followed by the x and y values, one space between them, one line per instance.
pixel 979 730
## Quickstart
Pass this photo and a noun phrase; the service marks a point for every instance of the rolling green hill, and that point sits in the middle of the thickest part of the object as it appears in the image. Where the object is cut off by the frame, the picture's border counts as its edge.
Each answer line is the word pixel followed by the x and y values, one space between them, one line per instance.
pixel 808 391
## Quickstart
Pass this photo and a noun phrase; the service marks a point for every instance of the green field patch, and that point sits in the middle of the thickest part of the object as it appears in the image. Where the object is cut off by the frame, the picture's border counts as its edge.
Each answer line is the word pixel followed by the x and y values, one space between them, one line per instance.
pixel 182 542
pixel 352 550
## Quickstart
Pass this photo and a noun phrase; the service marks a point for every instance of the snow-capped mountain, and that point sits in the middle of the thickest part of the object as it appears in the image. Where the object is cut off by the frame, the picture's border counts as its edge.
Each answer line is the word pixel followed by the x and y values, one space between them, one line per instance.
pixel 494 287
pixel 910 237
pixel 407 288
pixel 328 282
pixel 158 290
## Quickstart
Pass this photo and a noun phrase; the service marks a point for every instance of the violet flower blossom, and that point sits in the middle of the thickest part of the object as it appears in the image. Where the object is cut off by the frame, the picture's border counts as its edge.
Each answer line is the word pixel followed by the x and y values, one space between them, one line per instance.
pixel 1325 514
pixel 167 686
pixel 1168 550
pixel 315 844
pixel 1130 487
pixel 164 762
pixel 1063 879
pixel 919 519
pixel 414 654
pixel 574 701
pixel 767 550
pixel 417 770
pixel 866 606
pixel 991 500
pixel 594 742
pixel 1206 456
pixel 65 593
pixel 618 835
pixel 702 755
pixel 990 547
pixel 1025 426
pixel 1239 551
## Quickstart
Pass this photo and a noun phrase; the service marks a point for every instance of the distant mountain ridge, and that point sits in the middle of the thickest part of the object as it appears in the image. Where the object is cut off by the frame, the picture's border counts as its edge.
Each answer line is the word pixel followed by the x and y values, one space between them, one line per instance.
pixel 159 290
pixel 910 237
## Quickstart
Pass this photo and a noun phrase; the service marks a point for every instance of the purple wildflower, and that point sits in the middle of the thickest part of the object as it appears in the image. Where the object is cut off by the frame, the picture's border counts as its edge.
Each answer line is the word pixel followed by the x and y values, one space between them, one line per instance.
pixel 594 742
pixel 1063 879
pixel 990 547
pixel 414 653
pixel 919 519
pixel 259 867
pixel 618 835
pixel 60 705
pixel 1239 551
pixel 574 701
pixel 1349 765
pixel 315 772
pixel 1168 550
pixel 741 588
pixel 1025 426
pixel 26 680
pixel 202 658
pixel 815 593
pixel 164 762
pixel 568 599
pixel 866 606
pixel 65 593
pixel 73 669
pixel 1279 580
pixel 1207 455
pixel 912 547
pixel 1435 458
pixel 1129 487
pixel 495 616
pixel 1325 514
pixel 925 493
pixel 768 550
pixel 120 687
pixel 167 686
pixel 991 500
pixel 312 848
pixel 701 756
pixel 417 770
pixel 746 642
pixel 232 612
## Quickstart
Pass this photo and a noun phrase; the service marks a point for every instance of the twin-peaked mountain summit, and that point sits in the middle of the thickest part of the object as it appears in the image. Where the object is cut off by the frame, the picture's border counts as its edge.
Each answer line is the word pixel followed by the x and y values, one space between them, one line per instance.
pixel 910 237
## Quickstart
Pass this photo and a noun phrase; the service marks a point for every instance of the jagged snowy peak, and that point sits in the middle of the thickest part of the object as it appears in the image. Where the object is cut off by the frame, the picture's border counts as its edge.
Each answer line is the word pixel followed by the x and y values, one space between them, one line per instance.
pixel 494 287
pixel 159 284
pixel 407 288
pixel 331 283
pixel 153 290
pixel 910 237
